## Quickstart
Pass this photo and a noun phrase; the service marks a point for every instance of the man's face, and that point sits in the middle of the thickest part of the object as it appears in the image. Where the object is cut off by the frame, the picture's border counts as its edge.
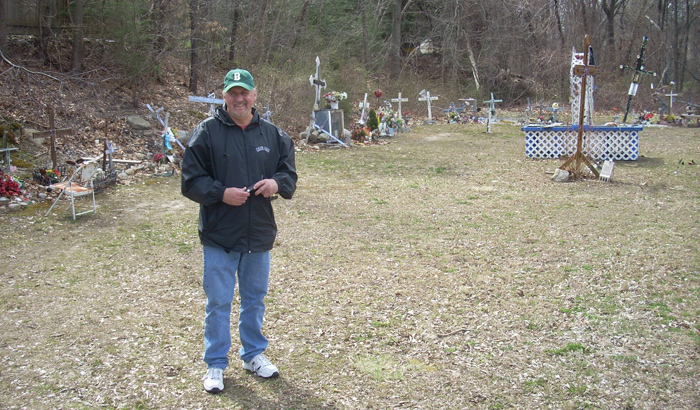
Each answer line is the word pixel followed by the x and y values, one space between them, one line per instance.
pixel 239 101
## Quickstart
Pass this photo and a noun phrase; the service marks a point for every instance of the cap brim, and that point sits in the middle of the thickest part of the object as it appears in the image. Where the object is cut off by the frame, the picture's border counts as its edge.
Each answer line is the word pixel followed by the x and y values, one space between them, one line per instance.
pixel 244 85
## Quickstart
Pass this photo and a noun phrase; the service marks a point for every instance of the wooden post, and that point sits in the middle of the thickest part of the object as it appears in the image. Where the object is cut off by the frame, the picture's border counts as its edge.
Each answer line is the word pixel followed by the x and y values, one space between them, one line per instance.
pixel 573 164
pixel 104 151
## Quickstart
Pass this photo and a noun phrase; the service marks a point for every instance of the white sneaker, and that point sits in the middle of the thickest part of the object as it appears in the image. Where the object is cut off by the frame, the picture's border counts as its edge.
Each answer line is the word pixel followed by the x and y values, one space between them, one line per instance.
pixel 261 367
pixel 214 380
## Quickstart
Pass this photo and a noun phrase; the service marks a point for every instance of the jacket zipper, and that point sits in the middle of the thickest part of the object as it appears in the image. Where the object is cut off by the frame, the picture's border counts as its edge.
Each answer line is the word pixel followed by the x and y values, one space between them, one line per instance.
pixel 247 169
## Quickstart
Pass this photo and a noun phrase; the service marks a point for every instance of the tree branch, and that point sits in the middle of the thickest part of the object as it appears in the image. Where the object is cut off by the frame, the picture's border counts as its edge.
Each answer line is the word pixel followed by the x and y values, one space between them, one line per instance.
pixel 28 70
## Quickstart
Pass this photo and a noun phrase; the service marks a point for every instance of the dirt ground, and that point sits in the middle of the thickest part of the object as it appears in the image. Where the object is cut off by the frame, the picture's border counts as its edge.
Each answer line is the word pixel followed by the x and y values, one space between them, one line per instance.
pixel 441 270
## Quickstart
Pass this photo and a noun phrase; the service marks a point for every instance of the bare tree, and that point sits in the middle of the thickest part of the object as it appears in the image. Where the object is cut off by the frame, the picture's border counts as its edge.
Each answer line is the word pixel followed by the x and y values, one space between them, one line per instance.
pixel 78 36
pixel 611 8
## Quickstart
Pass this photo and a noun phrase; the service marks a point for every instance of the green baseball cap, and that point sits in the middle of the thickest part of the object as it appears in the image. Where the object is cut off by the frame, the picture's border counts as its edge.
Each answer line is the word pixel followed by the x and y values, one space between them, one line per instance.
pixel 238 78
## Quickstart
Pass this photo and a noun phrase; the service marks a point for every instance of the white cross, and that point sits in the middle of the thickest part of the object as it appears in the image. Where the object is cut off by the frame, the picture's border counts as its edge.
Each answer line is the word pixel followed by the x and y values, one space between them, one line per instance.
pixel 492 108
pixel 670 106
pixel 208 100
pixel 317 84
pixel 425 96
pixel 399 100
pixel 365 106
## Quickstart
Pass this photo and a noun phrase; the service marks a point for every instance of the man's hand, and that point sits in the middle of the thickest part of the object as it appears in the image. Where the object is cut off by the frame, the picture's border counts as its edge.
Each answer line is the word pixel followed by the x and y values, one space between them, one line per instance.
pixel 266 187
pixel 235 196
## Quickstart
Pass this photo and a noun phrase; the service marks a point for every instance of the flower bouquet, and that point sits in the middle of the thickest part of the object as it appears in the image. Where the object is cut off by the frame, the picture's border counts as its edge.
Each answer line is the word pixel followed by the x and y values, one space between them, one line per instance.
pixel 333 97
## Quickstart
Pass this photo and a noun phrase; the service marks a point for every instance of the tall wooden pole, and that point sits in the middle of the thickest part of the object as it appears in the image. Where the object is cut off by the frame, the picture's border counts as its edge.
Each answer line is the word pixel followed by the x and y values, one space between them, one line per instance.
pixel 573 164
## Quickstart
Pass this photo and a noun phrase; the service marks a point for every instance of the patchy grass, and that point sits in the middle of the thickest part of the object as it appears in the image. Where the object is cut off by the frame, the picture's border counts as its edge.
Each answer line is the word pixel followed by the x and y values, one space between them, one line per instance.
pixel 442 270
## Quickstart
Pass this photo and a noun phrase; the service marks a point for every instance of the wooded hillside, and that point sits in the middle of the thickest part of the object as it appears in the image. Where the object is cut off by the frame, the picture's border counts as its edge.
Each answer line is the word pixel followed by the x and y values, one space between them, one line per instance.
pixel 517 49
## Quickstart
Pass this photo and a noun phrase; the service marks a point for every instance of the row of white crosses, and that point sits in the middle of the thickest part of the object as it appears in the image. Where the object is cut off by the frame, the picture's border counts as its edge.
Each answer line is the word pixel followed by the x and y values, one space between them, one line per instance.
pixel 425 96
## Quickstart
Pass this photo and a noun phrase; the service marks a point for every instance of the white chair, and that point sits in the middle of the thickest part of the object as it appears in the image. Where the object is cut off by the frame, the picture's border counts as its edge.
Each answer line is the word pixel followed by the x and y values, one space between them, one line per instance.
pixel 85 172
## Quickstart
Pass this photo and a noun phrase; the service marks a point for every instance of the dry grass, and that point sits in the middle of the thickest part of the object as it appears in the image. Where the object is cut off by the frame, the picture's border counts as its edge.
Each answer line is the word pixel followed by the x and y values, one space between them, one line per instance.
pixel 443 270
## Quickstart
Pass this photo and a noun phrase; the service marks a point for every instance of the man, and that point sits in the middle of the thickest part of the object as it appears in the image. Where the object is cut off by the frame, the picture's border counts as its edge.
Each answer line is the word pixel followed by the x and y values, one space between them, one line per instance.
pixel 234 163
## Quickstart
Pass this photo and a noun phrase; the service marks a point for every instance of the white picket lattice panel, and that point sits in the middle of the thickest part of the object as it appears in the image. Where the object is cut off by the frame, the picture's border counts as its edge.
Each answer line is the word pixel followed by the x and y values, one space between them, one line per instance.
pixel 575 98
pixel 603 143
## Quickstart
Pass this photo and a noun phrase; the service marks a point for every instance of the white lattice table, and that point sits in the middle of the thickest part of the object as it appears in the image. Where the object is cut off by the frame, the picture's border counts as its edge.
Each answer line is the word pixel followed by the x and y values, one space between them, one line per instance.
pixel 600 142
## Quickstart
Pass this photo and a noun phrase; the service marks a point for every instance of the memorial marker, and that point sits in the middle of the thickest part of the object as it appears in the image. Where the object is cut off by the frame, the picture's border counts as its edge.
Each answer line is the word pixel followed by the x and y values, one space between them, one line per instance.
pixel 425 96
pixel 53 133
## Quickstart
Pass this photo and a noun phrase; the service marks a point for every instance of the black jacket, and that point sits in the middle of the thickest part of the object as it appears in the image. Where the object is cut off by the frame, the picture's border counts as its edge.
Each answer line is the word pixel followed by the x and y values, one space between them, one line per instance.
pixel 221 155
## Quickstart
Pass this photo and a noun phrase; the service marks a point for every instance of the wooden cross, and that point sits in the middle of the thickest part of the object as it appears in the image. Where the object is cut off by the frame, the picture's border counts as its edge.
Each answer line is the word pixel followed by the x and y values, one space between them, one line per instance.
pixel 492 109
pixel 53 133
pixel 399 100
pixel 213 102
pixel 425 96
pixel 317 83
pixel 574 162
pixel 638 71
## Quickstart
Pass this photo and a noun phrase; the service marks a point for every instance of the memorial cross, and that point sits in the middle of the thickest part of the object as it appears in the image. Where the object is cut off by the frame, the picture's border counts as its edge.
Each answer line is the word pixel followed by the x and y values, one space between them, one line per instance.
pixel 399 100
pixel 554 109
pixel 317 83
pixel 638 71
pixel 539 107
pixel 108 150
pixel 167 133
pixel 213 102
pixel 469 102
pixel 6 150
pixel 53 133
pixel 670 96
pixel 574 162
pixel 267 115
pixel 365 107
pixel 425 96
pixel 492 109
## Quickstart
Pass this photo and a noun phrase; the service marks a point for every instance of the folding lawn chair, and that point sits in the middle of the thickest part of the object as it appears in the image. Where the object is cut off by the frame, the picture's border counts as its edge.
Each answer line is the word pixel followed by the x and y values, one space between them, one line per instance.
pixel 85 173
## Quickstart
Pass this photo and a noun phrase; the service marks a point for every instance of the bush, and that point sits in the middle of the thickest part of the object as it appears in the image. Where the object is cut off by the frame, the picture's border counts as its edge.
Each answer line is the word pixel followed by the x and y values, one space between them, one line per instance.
pixel 373 121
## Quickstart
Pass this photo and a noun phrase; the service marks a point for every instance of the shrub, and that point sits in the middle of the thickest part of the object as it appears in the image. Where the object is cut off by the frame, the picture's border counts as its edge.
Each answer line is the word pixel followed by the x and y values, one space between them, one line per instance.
pixel 373 121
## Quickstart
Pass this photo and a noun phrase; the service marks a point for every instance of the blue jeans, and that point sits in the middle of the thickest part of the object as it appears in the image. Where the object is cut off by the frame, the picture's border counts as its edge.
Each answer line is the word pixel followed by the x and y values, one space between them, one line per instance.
pixel 219 281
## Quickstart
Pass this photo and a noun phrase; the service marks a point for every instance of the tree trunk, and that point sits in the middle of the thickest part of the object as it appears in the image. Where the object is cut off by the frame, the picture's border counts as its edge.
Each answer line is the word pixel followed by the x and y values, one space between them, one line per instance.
pixel 396 40
pixel 78 36
pixel 557 12
pixel 159 23
pixel 46 12
pixel 611 9
pixel 472 61
pixel 234 30
pixel 3 26
pixel 194 45
pixel 365 43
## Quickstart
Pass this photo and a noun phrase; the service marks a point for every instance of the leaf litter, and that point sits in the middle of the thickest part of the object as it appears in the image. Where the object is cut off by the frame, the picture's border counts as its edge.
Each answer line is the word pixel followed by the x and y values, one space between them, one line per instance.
pixel 424 273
